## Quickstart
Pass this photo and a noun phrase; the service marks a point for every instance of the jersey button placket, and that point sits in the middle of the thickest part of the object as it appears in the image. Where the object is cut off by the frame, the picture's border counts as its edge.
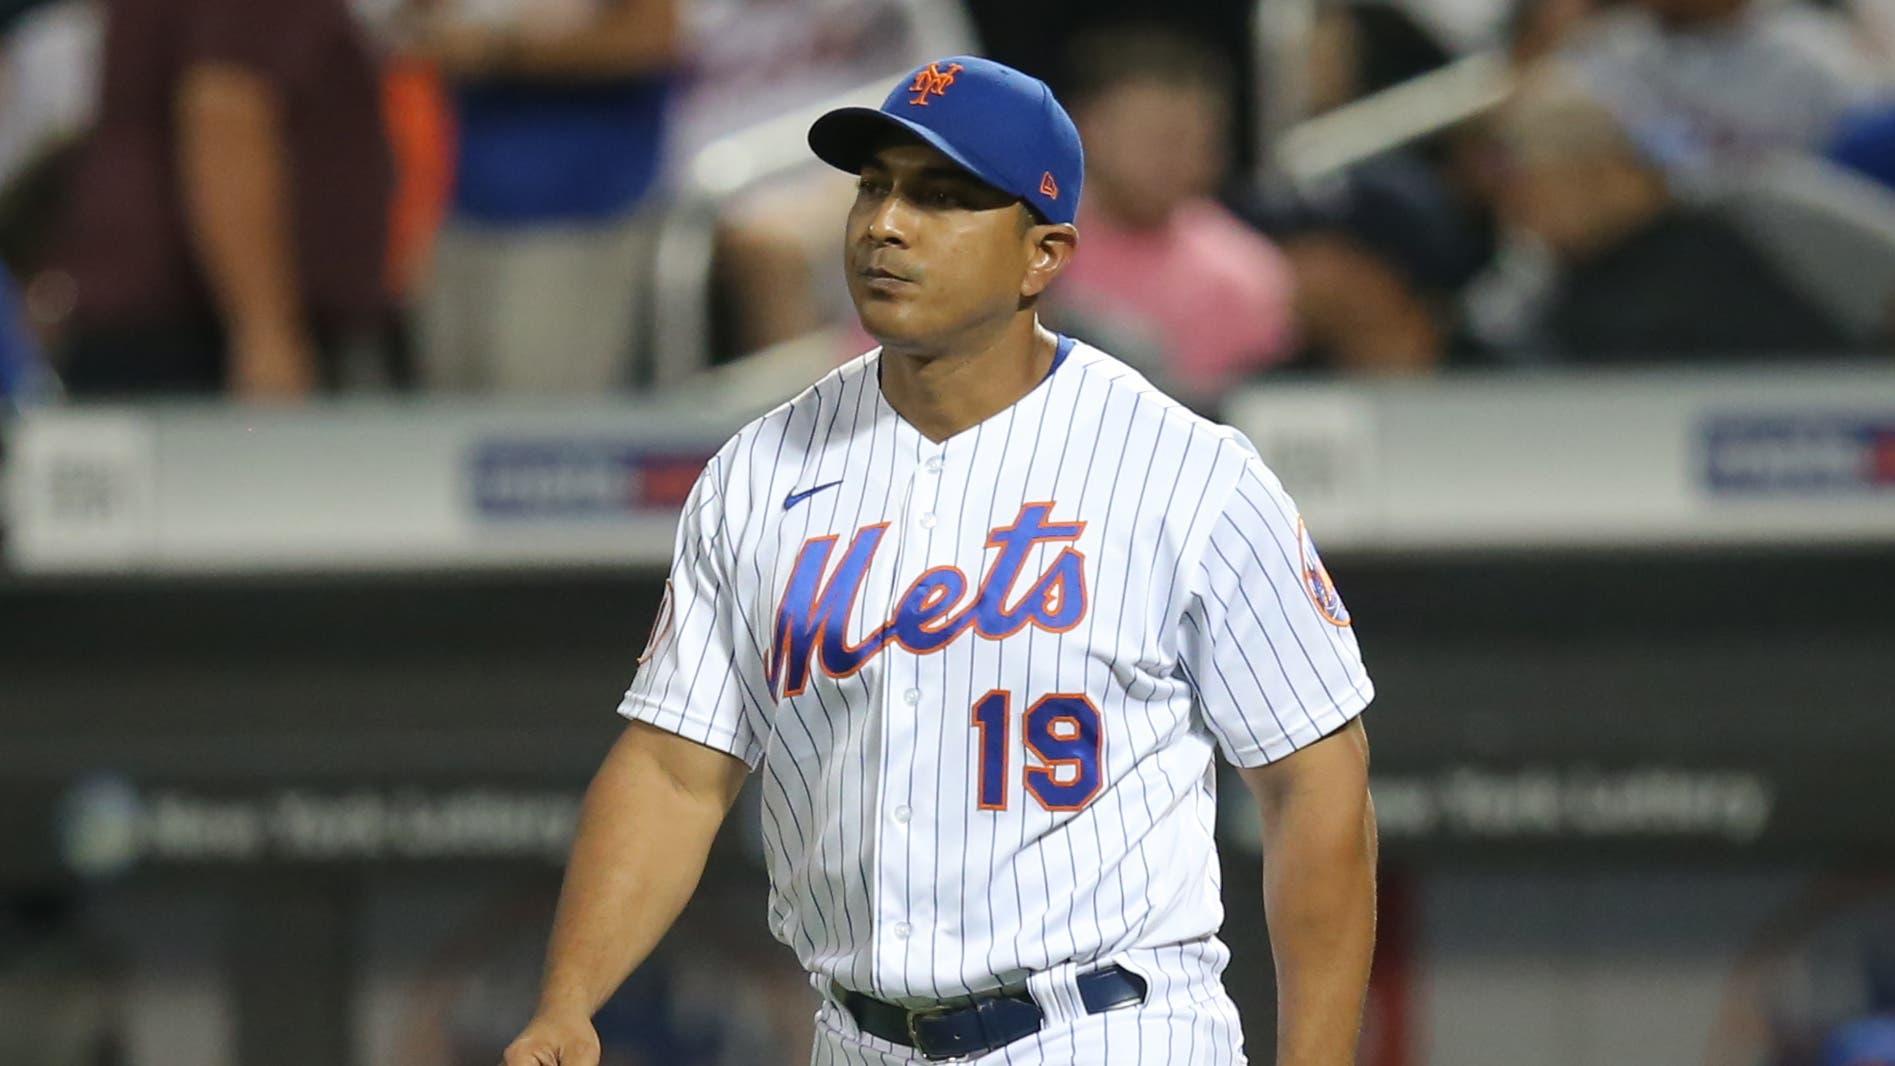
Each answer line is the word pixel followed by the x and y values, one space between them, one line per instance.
pixel 899 700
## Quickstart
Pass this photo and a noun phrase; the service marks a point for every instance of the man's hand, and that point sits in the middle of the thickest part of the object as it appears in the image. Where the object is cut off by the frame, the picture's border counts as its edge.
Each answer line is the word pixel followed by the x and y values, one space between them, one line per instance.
pixel 555 1040
pixel 645 830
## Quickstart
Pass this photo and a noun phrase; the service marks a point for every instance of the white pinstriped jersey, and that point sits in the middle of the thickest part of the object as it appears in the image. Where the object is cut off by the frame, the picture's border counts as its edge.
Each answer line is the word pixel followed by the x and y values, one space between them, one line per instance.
pixel 984 678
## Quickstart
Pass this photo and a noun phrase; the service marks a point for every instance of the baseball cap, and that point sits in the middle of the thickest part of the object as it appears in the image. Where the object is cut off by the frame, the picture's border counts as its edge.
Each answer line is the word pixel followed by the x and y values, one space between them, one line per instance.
pixel 1000 125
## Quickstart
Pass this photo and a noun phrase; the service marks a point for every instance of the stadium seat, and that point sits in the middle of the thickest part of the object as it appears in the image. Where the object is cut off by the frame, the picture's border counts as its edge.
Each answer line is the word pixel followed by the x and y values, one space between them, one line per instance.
pixel 1830 230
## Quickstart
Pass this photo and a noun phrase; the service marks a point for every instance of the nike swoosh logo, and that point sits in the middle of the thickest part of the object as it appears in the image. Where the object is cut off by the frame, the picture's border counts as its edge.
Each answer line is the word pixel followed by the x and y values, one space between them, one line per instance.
pixel 795 498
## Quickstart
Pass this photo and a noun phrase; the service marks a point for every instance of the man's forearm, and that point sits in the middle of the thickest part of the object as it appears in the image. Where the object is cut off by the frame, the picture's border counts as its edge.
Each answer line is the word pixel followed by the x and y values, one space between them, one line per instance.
pixel 1319 897
pixel 236 188
pixel 643 837
pixel 1319 893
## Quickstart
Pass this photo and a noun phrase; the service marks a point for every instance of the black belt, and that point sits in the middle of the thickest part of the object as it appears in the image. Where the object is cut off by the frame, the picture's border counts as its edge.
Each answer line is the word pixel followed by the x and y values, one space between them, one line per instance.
pixel 989 1022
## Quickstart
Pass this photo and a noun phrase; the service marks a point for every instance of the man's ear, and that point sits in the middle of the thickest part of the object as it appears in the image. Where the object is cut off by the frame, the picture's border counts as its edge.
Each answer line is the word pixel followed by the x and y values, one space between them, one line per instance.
pixel 1052 247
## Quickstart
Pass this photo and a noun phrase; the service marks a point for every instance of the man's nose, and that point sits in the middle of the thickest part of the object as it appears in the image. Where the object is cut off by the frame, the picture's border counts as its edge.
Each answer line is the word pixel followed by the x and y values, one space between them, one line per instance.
pixel 891 222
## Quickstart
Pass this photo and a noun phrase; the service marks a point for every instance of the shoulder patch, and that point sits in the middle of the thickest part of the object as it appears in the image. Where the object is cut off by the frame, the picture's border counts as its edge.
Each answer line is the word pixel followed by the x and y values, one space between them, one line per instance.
pixel 1316 580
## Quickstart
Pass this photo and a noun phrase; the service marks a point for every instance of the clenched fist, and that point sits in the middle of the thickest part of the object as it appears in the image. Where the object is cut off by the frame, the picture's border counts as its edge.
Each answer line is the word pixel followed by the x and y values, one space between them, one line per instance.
pixel 550 1040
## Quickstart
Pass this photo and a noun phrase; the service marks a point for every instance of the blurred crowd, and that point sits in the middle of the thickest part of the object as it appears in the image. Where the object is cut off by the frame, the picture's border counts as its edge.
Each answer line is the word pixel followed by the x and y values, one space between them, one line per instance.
pixel 275 200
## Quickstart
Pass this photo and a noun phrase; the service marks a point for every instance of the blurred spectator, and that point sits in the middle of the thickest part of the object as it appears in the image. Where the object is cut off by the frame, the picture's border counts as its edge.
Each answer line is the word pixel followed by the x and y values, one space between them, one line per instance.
pixel 1360 309
pixel 421 142
pixel 747 61
pixel 33 210
pixel 1705 86
pixel 561 112
pixel 48 78
pixel 1641 275
pixel 1358 49
pixel 1535 29
pixel 1865 143
pixel 229 212
pixel 754 60
pixel 49 59
pixel 1028 37
pixel 1166 276
pixel 1381 249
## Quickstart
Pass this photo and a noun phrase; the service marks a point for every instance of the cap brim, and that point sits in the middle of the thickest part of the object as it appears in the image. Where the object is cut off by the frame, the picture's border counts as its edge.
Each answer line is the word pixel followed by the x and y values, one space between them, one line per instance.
pixel 846 137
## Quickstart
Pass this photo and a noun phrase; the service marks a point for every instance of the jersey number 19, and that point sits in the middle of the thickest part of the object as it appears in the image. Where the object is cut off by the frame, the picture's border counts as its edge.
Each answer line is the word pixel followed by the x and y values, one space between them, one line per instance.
pixel 1061 731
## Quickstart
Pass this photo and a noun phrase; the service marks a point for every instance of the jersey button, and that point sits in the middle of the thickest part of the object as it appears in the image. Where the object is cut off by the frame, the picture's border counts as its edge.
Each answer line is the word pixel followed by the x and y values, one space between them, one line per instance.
pixel 903 813
pixel 911 697
pixel 934 464
pixel 928 520
pixel 903 930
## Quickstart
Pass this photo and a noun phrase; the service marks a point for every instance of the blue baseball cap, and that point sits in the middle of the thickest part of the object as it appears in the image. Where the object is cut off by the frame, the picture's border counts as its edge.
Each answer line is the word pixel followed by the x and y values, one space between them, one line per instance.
pixel 1000 125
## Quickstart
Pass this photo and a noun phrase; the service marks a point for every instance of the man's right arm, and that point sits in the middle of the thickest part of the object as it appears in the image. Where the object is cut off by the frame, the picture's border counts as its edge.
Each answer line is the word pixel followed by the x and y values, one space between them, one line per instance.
pixel 644 832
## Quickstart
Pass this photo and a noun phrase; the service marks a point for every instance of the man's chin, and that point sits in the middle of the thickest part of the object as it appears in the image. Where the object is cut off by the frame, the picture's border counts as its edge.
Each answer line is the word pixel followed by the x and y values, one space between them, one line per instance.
pixel 891 327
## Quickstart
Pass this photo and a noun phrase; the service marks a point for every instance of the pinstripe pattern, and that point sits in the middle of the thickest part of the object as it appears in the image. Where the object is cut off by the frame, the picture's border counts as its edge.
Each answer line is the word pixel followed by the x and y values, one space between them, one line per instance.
pixel 1200 632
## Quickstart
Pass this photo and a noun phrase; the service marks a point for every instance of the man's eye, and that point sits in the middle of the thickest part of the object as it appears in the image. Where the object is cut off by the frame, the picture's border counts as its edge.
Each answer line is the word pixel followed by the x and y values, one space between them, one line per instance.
pixel 942 198
pixel 874 186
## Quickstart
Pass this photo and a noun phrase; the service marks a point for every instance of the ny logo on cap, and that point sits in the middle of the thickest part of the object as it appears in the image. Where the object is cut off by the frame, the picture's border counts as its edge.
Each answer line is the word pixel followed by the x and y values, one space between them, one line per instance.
pixel 1048 187
pixel 932 82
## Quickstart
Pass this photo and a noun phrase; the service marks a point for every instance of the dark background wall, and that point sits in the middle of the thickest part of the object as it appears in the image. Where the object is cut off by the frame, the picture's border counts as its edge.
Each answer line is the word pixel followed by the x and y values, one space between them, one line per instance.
pixel 1771 668
pixel 1782 661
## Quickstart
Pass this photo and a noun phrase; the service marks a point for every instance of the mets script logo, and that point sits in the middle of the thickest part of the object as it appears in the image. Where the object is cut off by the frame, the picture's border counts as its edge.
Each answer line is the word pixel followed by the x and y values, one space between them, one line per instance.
pixel 812 621
pixel 1316 580
pixel 932 81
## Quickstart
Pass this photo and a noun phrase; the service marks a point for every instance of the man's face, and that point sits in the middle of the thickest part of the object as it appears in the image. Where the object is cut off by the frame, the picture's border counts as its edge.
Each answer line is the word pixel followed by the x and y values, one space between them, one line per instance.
pixel 932 252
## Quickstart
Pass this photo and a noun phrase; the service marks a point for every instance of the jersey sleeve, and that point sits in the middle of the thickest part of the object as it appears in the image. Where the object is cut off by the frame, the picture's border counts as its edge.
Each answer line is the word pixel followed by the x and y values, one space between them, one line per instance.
pixel 1266 642
pixel 691 678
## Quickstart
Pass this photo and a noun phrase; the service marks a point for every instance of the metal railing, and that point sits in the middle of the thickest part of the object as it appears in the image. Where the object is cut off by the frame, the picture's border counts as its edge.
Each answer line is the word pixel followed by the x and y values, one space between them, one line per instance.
pixel 1335 140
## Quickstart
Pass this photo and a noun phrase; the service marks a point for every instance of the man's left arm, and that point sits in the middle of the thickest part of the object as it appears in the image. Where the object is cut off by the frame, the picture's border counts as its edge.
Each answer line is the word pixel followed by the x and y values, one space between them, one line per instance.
pixel 1319 847
pixel 1270 652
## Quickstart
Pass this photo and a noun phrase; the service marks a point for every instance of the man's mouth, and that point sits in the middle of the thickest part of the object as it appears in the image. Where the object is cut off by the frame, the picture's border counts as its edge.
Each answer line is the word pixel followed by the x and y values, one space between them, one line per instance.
pixel 882 279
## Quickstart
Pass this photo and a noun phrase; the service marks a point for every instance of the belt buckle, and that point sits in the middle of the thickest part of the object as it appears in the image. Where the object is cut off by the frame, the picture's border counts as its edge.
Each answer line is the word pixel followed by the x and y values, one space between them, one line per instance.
pixel 914 1038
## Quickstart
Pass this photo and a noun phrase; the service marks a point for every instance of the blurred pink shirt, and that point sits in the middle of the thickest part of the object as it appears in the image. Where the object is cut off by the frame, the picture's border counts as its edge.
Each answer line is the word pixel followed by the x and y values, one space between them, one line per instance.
pixel 1208 289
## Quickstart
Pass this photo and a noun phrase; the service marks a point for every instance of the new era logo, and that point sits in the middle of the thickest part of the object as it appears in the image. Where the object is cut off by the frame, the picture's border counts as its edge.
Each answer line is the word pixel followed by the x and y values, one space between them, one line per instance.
pixel 932 82
pixel 1048 187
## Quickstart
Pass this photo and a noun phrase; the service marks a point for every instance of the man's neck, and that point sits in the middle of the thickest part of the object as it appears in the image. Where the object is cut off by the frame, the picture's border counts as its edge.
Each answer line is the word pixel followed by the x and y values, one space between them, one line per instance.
pixel 943 393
